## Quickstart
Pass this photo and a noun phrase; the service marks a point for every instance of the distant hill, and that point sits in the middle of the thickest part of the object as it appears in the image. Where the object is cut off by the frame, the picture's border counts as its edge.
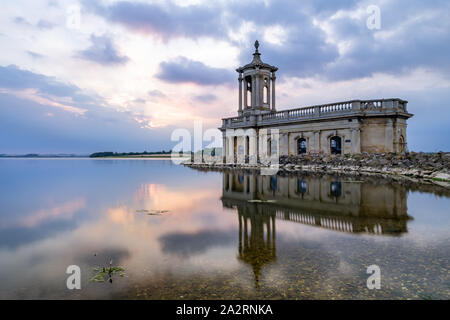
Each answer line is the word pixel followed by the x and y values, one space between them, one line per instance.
pixel 130 154
pixel 36 155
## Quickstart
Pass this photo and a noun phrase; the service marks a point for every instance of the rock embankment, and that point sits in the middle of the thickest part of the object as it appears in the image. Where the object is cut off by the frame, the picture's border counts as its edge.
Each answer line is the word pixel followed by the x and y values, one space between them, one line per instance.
pixel 428 166
pixel 431 167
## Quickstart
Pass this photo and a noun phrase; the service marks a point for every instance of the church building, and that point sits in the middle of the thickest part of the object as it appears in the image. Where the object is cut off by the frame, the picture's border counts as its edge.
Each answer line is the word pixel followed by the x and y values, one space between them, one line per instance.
pixel 259 133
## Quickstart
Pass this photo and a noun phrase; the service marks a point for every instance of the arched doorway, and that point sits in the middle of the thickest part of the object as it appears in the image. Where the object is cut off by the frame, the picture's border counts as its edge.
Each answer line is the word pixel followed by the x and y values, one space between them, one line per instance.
pixel 336 145
pixel 401 144
pixel 301 146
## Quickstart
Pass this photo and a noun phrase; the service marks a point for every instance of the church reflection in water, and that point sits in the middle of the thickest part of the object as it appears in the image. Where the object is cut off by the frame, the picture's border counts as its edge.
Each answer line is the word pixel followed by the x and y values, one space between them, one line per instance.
pixel 327 202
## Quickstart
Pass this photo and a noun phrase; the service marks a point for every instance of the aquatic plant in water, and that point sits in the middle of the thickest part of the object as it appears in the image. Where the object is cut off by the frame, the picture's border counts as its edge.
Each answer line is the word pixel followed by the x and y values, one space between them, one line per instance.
pixel 103 273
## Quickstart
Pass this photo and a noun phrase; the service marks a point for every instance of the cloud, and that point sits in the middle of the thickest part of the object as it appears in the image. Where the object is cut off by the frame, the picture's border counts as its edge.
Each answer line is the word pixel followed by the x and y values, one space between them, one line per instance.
pixel 156 94
pixel 35 124
pixel 166 20
pixel 21 21
pixel 412 36
pixel 102 51
pixel 308 38
pixel 183 70
pixel 41 24
pixel 205 98
pixel 34 55
pixel 29 129
pixel 302 50
pixel 44 24
pixel 12 77
pixel 188 244
pixel 139 100
pixel 311 42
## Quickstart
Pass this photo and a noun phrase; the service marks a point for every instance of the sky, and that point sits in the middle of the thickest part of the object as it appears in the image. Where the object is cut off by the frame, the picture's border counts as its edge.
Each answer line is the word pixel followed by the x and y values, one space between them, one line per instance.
pixel 86 76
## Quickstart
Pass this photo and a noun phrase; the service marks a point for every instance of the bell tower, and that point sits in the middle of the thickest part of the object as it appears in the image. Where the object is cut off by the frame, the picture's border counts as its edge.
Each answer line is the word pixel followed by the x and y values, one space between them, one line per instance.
pixel 256 86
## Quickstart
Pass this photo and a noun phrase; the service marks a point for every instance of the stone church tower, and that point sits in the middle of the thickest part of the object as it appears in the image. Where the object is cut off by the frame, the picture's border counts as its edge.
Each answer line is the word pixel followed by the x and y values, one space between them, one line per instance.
pixel 260 133
pixel 257 96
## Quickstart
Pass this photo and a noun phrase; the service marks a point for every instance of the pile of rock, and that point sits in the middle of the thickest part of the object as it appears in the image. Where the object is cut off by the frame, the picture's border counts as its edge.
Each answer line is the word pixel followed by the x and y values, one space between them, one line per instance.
pixel 428 167
pixel 432 166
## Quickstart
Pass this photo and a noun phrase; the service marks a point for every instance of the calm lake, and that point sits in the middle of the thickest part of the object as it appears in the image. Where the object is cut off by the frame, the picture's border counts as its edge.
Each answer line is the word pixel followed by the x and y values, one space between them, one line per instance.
pixel 225 235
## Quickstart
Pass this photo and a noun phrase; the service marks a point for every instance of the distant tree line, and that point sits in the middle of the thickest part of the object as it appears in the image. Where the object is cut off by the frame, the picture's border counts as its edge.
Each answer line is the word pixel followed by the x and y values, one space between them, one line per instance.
pixel 121 154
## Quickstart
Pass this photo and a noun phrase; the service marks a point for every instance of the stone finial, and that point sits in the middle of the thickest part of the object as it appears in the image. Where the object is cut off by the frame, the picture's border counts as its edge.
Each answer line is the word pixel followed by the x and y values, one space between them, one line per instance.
pixel 256 46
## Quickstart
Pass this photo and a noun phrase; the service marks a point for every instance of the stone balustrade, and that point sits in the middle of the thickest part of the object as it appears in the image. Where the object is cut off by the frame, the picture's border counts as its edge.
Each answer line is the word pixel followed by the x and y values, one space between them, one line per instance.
pixel 344 109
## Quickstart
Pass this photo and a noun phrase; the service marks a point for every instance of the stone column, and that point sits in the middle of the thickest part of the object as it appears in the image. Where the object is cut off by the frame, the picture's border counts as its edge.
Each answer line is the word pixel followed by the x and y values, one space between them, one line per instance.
pixel 224 182
pixel 389 136
pixel 283 144
pixel 273 91
pixel 245 94
pixel 252 184
pixel 245 147
pixel 356 141
pixel 252 150
pixel 240 93
pixel 253 92
pixel 230 150
pixel 231 145
pixel 317 141
pixel 257 145
pixel 257 91
pixel 224 148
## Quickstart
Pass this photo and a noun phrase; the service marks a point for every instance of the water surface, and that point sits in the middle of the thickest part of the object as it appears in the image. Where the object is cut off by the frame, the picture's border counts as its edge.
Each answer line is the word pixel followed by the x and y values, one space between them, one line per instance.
pixel 226 235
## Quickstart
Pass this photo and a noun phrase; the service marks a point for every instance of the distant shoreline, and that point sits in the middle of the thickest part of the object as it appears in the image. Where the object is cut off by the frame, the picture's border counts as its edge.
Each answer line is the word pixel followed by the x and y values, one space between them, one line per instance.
pixel 129 157
pixel 166 156
pixel 100 155
pixel 43 156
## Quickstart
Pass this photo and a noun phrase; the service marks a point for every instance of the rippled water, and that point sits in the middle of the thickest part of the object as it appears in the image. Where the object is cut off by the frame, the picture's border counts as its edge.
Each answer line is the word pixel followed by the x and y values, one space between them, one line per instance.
pixel 225 235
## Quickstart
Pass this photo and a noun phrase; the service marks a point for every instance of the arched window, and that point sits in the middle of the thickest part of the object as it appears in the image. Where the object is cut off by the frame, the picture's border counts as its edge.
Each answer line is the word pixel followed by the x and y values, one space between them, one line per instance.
pixel 336 145
pixel 269 147
pixel 266 91
pixel 248 91
pixel 301 146
pixel 336 189
pixel 302 186
pixel 273 183
pixel 265 94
